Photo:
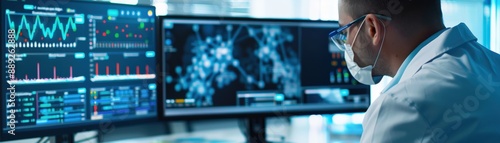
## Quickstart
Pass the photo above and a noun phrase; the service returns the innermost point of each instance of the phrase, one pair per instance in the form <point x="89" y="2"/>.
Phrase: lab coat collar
<point x="449" y="39"/>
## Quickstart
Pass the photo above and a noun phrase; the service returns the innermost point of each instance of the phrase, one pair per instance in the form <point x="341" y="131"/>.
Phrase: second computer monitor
<point x="243" y="66"/>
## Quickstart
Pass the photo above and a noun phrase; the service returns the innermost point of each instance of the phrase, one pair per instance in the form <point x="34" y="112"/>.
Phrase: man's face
<point x="362" y="47"/>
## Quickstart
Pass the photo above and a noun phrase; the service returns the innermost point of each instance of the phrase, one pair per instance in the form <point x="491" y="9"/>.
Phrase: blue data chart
<point x="47" y="68"/>
<point x="122" y="101"/>
<point x="39" y="30"/>
<point x="122" y="66"/>
<point x="74" y="62"/>
<point x="110" y="33"/>
<point x="51" y="106"/>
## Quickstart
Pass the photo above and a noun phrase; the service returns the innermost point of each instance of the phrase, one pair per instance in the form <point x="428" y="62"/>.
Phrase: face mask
<point x="362" y="74"/>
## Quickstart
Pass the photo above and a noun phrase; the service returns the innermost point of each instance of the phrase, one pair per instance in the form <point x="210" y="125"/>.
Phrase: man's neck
<point x="400" y="54"/>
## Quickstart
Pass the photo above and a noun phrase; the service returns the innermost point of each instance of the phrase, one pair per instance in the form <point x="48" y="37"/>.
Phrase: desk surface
<point x="304" y="129"/>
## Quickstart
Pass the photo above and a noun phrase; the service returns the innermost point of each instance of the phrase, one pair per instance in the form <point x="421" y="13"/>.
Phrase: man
<point x="445" y="87"/>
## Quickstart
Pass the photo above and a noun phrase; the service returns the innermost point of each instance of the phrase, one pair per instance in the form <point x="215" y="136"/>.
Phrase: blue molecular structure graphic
<point x="258" y="57"/>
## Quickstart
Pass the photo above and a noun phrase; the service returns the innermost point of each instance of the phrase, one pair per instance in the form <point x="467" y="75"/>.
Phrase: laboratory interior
<point x="191" y="71"/>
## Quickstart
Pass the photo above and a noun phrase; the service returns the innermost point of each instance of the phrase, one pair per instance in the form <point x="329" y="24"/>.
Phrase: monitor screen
<point x="224" y="66"/>
<point x="73" y="64"/>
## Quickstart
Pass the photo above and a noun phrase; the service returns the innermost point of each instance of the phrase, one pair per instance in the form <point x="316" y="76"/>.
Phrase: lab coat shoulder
<point x="457" y="95"/>
<point x="447" y="96"/>
<point x="394" y="119"/>
<point x="439" y="103"/>
<point x="410" y="110"/>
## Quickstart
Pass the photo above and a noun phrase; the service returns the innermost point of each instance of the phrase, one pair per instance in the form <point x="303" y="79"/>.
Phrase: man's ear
<point x="376" y="29"/>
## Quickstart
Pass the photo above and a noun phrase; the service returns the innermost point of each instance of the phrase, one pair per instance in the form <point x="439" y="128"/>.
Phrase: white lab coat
<point x="449" y="92"/>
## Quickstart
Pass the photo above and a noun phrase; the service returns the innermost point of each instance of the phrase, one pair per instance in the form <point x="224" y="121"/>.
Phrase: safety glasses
<point x="339" y="36"/>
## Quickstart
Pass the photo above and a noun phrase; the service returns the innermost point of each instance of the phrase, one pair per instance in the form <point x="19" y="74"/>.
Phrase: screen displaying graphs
<point x="76" y="62"/>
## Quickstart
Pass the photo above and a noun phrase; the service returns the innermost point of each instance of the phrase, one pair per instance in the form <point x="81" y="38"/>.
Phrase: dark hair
<point x="399" y="10"/>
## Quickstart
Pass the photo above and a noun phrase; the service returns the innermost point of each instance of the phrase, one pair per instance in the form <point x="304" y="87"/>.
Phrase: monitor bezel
<point x="270" y="113"/>
<point x="103" y="126"/>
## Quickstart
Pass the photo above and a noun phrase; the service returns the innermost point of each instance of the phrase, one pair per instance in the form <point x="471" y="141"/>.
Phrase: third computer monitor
<point x="216" y="66"/>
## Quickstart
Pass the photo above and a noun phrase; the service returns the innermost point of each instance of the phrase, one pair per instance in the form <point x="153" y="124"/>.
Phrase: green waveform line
<point x="47" y="31"/>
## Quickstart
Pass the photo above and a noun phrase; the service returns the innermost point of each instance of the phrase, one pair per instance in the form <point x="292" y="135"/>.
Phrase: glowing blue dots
<point x="236" y="63"/>
<point x="196" y="28"/>
<point x="274" y="31"/>
<point x="208" y="69"/>
<point x="169" y="79"/>
<point x="218" y="38"/>
<point x="216" y="67"/>
<point x="202" y="74"/>
<point x="251" y="32"/>
<point x="178" y="87"/>
<point x="178" y="69"/>
<point x="207" y="63"/>
<point x="182" y="81"/>
<point x="223" y="66"/>
<point x="203" y="47"/>
<point x="274" y="43"/>
<point x="261" y="84"/>
<point x="201" y="90"/>
<point x="269" y="39"/>
<point x="265" y="30"/>
<point x="194" y="60"/>
<point x="168" y="42"/>
<point x="218" y="56"/>
<point x="265" y="50"/>
<point x="221" y="51"/>
<point x="250" y="79"/>
<point x="208" y="40"/>
<point x="259" y="54"/>
<point x="289" y="38"/>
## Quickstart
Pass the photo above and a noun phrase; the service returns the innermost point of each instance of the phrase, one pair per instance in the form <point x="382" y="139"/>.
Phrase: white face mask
<point x="362" y="74"/>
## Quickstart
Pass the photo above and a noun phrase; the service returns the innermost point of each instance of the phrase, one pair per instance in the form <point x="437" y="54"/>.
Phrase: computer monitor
<point x="70" y="66"/>
<point x="215" y="67"/>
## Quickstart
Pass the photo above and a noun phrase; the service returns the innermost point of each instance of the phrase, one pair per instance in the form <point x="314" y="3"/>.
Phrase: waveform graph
<point x="48" y="107"/>
<point x="46" y="30"/>
<point x="125" y="33"/>
<point x="116" y="101"/>
<point x="48" y="68"/>
<point x="118" y="66"/>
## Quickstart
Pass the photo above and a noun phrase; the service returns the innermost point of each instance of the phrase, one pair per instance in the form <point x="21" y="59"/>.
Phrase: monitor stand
<point x="65" y="138"/>
<point x="256" y="130"/>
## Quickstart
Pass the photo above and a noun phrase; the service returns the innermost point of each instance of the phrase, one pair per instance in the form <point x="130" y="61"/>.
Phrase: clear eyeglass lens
<point x="340" y="40"/>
